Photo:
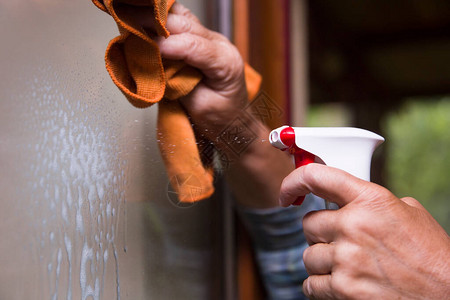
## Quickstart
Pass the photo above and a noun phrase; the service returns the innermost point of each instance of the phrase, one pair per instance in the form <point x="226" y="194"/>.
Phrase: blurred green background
<point x="418" y="154"/>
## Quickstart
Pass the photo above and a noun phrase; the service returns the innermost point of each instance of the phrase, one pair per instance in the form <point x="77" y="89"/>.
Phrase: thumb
<point x="329" y="183"/>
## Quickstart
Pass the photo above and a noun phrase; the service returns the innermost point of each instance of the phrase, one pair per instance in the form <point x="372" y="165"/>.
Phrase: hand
<point x="376" y="246"/>
<point x="222" y="94"/>
<point x="218" y="100"/>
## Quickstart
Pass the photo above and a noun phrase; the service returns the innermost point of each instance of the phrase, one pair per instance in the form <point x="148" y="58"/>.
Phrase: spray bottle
<point x="347" y="148"/>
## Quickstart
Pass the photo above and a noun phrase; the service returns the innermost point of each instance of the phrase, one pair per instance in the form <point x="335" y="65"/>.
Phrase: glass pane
<point x="84" y="210"/>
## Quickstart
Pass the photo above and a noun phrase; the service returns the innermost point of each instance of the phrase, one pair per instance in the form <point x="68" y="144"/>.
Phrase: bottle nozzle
<point x="282" y="137"/>
<point x="346" y="148"/>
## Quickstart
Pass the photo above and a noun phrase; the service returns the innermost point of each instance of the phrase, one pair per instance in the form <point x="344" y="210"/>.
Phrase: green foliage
<point x="418" y="155"/>
<point x="330" y="114"/>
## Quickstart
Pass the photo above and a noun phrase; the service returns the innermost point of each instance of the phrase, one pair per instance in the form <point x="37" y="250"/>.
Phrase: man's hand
<point x="218" y="100"/>
<point x="222" y="95"/>
<point x="376" y="246"/>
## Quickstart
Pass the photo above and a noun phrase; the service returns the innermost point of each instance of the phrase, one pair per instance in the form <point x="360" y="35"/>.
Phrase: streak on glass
<point x="84" y="209"/>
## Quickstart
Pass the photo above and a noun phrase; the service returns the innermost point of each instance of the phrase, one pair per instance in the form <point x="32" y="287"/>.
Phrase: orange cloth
<point x="135" y="65"/>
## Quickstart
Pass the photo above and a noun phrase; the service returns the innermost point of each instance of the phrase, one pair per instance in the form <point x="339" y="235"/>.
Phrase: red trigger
<point x="301" y="157"/>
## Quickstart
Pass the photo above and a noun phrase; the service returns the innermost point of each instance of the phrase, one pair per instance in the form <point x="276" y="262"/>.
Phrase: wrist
<point x="255" y="170"/>
<point x="243" y="136"/>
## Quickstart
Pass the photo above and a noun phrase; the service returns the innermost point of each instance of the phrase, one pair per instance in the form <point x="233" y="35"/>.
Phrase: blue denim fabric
<point x="278" y="239"/>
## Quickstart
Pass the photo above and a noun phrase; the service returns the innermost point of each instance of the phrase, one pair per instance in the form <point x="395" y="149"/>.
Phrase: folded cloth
<point x="135" y="65"/>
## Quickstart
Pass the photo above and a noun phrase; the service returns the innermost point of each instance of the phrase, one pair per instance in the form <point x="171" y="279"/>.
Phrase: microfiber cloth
<point x="135" y="65"/>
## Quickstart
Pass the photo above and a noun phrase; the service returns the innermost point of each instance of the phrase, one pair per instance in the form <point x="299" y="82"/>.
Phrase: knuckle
<point x="341" y="286"/>
<point x="231" y="65"/>
<point x="340" y="255"/>
<point x="351" y="221"/>
<point x="185" y="25"/>
<point x="354" y="229"/>
<point x="192" y="44"/>
<point x="348" y="256"/>
<point x="187" y="13"/>
<point x="349" y="288"/>
<point x="310" y="173"/>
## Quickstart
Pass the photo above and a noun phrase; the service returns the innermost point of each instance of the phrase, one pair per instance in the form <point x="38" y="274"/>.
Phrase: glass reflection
<point x="84" y="206"/>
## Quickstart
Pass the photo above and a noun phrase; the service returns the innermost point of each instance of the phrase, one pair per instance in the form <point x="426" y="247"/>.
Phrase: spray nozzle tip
<point x="282" y="137"/>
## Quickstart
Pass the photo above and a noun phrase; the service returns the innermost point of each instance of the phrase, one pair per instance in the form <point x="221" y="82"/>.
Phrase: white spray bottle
<point x="347" y="148"/>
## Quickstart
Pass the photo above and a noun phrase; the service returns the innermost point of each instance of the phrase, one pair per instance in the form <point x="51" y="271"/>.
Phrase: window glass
<point x="84" y="210"/>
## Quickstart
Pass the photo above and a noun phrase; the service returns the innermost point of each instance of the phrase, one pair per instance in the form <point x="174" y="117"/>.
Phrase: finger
<point x="318" y="287"/>
<point x="179" y="9"/>
<point x="326" y="182"/>
<point x="216" y="59"/>
<point x="318" y="259"/>
<point x="180" y="24"/>
<point x="198" y="103"/>
<point x="320" y="226"/>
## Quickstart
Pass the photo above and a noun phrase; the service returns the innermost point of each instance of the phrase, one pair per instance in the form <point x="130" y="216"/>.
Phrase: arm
<point x="255" y="175"/>
<point x="376" y="246"/>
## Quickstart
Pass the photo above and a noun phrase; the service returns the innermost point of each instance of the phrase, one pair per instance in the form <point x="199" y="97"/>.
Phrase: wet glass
<point x="85" y="210"/>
